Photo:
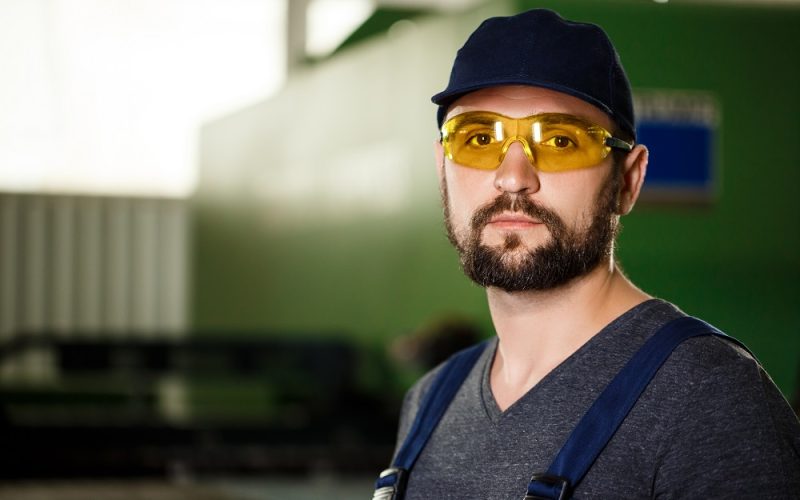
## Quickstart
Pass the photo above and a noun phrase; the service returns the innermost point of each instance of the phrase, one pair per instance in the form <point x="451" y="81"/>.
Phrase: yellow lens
<point x="554" y="142"/>
<point x="564" y="142"/>
<point x="474" y="140"/>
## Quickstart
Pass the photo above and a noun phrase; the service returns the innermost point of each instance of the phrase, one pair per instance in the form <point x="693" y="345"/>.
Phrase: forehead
<point x="518" y="101"/>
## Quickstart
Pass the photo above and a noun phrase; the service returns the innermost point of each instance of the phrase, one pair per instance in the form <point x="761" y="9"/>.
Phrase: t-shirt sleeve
<point x="734" y="437"/>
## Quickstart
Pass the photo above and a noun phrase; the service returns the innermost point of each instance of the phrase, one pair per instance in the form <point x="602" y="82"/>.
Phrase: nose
<point x="516" y="174"/>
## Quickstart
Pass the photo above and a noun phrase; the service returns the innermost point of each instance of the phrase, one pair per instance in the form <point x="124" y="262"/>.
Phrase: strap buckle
<point x="564" y="487"/>
<point x="390" y="484"/>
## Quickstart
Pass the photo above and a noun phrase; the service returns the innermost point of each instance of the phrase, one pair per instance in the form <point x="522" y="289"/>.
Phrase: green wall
<point x="736" y="262"/>
<point x="302" y="266"/>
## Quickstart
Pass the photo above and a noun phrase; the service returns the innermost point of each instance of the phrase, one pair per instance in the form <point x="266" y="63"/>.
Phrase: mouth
<point x="513" y="220"/>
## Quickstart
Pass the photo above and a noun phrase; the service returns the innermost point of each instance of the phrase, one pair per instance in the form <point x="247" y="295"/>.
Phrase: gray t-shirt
<point x="711" y="424"/>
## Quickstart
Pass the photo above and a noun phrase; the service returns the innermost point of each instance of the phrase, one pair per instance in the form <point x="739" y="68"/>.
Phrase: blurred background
<point x="222" y="259"/>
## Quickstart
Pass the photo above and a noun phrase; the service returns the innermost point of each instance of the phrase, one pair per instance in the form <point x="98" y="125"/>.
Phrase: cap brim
<point x="449" y="95"/>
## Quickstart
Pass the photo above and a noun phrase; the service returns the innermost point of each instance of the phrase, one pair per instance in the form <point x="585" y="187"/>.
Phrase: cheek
<point x="467" y="190"/>
<point x="573" y="195"/>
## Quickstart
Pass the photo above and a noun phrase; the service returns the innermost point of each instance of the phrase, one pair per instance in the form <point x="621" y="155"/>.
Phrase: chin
<point x="515" y="259"/>
<point x="511" y="241"/>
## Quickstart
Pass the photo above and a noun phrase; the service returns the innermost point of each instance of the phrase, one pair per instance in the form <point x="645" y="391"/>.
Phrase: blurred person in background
<point x="537" y="161"/>
<point x="435" y="342"/>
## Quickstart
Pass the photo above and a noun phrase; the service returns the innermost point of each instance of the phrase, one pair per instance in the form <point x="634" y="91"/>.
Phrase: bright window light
<point x="330" y="22"/>
<point x="107" y="96"/>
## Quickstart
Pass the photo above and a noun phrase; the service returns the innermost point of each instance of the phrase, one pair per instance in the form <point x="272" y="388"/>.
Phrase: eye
<point x="559" y="142"/>
<point x="480" y="139"/>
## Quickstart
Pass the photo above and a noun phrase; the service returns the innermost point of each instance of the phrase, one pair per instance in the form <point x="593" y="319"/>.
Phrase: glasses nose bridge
<point x="526" y="147"/>
<point x="517" y="130"/>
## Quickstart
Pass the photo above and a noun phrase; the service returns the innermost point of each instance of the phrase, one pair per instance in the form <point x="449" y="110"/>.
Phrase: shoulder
<point x="698" y="359"/>
<point x="710" y="365"/>
<point x="721" y="413"/>
<point x="716" y="376"/>
<point x="415" y="395"/>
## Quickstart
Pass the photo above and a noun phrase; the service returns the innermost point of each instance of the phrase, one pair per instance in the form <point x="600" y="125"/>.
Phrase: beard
<point x="567" y="255"/>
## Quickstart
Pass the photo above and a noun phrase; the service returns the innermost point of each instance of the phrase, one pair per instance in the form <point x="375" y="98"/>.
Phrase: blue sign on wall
<point x="680" y="130"/>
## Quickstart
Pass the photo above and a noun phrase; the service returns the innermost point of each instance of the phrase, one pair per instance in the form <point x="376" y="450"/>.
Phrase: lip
<point x="513" y="220"/>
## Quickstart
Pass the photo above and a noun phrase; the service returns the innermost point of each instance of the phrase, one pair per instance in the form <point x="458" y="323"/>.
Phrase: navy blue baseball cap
<point x="540" y="48"/>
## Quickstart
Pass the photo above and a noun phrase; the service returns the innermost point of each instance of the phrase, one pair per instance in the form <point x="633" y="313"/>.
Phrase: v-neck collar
<point x="493" y="411"/>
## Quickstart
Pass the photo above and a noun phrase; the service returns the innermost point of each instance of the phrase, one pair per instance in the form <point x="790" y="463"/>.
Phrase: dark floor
<point x="278" y="488"/>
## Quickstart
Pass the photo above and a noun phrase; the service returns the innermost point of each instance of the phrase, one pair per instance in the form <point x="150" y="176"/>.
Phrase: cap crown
<point x="540" y="48"/>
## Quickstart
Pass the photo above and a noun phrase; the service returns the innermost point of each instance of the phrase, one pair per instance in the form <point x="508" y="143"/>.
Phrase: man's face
<point x="517" y="228"/>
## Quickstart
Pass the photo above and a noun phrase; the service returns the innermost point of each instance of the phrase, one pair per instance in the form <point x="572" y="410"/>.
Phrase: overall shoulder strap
<point x="391" y="483"/>
<point x="601" y="421"/>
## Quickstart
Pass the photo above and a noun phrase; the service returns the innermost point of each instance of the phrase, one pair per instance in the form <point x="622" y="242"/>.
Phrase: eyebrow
<point x="579" y="118"/>
<point x="484" y="122"/>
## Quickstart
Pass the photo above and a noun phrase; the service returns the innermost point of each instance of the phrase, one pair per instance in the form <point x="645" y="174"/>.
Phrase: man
<point x="537" y="162"/>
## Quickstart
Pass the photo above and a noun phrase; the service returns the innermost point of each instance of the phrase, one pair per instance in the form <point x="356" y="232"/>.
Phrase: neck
<point x="538" y="330"/>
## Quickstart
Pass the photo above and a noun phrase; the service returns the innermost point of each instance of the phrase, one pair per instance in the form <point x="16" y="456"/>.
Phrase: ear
<point x="438" y="156"/>
<point x="633" y="174"/>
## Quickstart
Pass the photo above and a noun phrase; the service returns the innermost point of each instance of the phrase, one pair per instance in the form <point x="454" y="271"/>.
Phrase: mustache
<point x="508" y="202"/>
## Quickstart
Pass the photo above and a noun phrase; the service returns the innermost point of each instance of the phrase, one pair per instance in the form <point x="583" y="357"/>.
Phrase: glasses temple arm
<point x="616" y="143"/>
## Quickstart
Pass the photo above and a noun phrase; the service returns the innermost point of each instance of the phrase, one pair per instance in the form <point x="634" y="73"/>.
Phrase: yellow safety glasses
<point x="553" y="142"/>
